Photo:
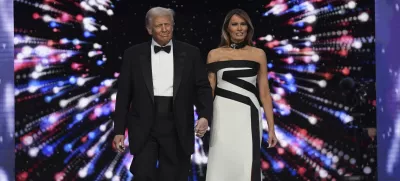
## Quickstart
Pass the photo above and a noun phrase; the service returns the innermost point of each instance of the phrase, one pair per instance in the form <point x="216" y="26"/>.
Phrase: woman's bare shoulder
<point x="215" y="54"/>
<point x="258" y="54"/>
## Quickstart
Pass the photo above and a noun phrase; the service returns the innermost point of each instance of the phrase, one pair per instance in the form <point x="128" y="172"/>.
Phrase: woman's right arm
<point x="211" y="75"/>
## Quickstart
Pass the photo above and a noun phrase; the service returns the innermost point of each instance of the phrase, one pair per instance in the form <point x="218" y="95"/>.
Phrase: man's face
<point x="161" y="29"/>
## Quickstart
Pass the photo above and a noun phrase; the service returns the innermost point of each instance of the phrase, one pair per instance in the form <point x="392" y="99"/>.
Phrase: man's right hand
<point x="118" y="143"/>
<point x="371" y="133"/>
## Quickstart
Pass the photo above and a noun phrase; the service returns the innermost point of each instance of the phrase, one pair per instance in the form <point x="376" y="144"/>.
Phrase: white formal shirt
<point x="162" y="64"/>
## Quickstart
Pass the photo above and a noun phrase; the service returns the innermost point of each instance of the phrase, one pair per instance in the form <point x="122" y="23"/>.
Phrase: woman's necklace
<point x="237" y="45"/>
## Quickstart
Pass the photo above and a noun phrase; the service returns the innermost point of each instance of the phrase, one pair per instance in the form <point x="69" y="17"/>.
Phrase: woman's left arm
<point x="265" y="96"/>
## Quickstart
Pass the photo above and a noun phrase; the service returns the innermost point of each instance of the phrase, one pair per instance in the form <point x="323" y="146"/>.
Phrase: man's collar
<point x="153" y="42"/>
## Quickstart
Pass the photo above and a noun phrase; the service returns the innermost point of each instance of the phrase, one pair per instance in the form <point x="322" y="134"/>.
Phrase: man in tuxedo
<point x="159" y="83"/>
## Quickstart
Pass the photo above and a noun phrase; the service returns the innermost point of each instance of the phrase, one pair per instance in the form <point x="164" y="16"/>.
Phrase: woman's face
<point x="237" y="28"/>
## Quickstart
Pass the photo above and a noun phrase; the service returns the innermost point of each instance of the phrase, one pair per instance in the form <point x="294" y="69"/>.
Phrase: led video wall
<point x="388" y="84"/>
<point x="6" y="91"/>
<point x="318" y="51"/>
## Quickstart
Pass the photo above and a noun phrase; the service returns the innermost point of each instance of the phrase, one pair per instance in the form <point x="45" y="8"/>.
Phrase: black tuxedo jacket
<point x="134" y="108"/>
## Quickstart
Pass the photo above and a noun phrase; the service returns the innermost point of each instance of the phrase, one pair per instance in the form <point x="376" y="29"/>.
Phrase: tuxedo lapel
<point x="179" y="57"/>
<point x="145" y="61"/>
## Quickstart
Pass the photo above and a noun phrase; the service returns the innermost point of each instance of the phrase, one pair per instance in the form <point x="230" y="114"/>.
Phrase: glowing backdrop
<point x="67" y="56"/>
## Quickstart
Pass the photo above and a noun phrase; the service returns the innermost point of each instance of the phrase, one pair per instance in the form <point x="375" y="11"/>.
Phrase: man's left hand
<point x="201" y="127"/>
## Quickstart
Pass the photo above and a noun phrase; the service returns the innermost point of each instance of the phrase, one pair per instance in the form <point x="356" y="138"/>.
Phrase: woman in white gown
<point x="238" y="76"/>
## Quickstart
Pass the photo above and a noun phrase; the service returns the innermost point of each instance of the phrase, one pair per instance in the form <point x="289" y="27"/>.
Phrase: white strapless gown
<point x="236" y="130"/>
